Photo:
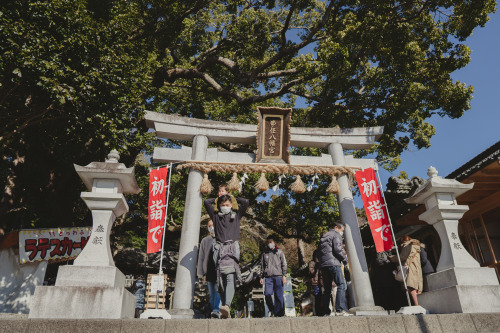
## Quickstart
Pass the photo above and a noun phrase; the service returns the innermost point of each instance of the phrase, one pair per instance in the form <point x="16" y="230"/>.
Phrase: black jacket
<point x="331" y="250"/>
<point x="227" y="227"/>
<point x="426" y="265"/>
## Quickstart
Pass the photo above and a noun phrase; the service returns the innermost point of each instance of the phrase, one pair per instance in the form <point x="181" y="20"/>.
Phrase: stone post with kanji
<point x="459" y="284"/>
<point x="93" y="287"/>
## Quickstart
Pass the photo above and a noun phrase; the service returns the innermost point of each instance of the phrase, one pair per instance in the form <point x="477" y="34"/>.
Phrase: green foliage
<point x="76" y="76"/>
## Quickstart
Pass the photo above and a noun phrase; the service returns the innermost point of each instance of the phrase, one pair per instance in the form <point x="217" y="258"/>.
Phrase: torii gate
<point x="200" y="132"/>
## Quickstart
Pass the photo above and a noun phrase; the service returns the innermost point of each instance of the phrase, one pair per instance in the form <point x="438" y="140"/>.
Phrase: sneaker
<point x="344" y="313"/>
<point x="215" y="314"/>
<point x="333" y="314"/>
<point x="224" y="312"/>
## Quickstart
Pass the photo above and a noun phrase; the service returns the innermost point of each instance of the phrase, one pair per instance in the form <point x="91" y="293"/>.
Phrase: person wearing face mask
<point x="331" y="257"/>
<point x="223" y="190"/>
<point x="206" y="269"/>
<point x="226" y="249"/>
<point x="273" y="269"/>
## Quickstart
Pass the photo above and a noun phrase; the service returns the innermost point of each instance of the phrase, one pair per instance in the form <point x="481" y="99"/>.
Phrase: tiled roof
<point x="486" y="157"/>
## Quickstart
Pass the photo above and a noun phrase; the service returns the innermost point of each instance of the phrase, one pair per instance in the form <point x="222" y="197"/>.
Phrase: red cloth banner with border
<point x="156" y="208"/>
<point x="376" y="211"/>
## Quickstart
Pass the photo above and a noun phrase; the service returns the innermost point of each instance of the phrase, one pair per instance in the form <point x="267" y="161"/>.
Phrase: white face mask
<point x="225" y="209"/>
<point x="211" y="230"/>
<point x="341" y="233"/>
<point x="271" y="246"/>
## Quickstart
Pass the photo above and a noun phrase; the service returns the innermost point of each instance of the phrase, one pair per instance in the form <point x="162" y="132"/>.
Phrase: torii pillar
<point x="202" y="131"/>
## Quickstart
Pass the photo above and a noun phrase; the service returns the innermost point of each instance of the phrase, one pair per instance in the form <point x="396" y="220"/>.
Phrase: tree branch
<point x="26" y="123"/>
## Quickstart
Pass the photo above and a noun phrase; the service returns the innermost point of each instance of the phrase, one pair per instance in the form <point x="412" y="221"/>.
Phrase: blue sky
<point x="459" y="140"/>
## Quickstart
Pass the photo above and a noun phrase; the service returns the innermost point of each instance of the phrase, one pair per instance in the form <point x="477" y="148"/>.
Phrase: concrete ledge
<point x="14" y="325"/>
<point x="489" y="322"/>
<point x="486" y="322"/>
<point x="456" y="323"/>
<point x="386" y="324"/>
<point x="421" y="323"/>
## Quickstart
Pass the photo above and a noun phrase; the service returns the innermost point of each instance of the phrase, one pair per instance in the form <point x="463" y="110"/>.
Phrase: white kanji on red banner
<point x="156" y="208"/>
<point x="375" y="210"/>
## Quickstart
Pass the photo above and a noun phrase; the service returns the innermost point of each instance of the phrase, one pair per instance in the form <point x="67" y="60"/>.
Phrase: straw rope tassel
<point x="234" y="183"/>
<point x="334" y="186"/>
<point x="262" y="184"/>
<point x="298" y="185"/>
<point x="206" y="187"/>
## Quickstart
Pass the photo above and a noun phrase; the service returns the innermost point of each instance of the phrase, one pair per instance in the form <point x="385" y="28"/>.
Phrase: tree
<point x="75" y="77"/>
<point x="72" y="87"/>
<point x="354" y="63"/>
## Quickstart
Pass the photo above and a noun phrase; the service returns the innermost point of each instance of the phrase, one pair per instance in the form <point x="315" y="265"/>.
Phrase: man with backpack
<point x="227" y="249"/>
<point x="273" y="269"/>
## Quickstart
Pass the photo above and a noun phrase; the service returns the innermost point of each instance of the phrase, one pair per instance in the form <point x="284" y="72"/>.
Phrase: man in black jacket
<point x="331" y="256"/>
<point x="273" y="268"/>
<point x="227" y="249"/>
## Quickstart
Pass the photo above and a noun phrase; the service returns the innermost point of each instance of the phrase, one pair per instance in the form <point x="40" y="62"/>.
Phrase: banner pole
<point x="393" y="238"/>
<point x="165" y="220"/>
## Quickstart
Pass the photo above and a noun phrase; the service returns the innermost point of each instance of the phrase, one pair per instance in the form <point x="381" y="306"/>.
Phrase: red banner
<point x="376" y="212"/>
<point x="156" y="208"/>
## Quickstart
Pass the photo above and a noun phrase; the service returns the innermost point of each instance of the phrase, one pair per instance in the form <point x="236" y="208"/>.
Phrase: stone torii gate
<point x="200" y="132"/>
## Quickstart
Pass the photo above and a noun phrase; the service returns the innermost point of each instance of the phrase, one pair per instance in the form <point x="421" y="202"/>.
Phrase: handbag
<point x="399" y="272"/>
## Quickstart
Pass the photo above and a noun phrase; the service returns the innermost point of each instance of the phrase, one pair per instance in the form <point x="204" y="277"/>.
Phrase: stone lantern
<point x="459" y="284"/>
<point x="93" y="287"/>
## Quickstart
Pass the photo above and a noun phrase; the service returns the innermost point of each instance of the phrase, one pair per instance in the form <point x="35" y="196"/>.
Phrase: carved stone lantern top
<point x="109" y="176"/>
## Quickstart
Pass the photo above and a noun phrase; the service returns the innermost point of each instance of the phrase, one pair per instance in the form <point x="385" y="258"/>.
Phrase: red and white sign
<point x="156" y="208"/>
<point x="52" y="244"/>
<point x="376" y="212"/>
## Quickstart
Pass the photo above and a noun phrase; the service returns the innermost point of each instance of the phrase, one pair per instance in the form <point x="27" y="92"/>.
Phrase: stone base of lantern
<point x="82" y="302"/>
<point x="462" y="290"/>
<point x="84" y="292"/>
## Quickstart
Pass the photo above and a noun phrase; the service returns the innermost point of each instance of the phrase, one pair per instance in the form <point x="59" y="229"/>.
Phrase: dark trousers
<point x="334" y="273"/>
<point x="274" y="286"/>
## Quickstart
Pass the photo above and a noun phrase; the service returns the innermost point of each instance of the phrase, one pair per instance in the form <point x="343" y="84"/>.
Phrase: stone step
<point x="488" y="322"/>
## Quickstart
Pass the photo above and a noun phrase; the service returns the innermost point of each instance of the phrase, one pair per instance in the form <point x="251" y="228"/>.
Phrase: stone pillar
<point x="459" y="284"/>
<point x="93" y="287"/>
<point x="188" y="249"/>
<point x="363" y="295"/>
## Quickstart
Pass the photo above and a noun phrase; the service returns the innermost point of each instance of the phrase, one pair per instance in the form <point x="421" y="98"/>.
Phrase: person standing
<point x="426" y="266"/>
<point x="206" y="269"/>
<point x="227" y="249"/>
<point x="273" y="269"/>
<point x="410" y="257"/>
<point x="331" y="257"/>
<point x="139" y="288"/>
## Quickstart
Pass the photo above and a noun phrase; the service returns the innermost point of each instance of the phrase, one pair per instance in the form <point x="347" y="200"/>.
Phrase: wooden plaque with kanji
<point x="273" y="134"/>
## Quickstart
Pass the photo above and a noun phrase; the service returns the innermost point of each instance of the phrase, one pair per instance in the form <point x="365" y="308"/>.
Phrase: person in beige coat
<point x="410" y="257"/>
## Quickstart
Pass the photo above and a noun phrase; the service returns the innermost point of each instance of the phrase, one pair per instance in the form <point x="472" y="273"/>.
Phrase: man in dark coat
<point x="331" y="257"/>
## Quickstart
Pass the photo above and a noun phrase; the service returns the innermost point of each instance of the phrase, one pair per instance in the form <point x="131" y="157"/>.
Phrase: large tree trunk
<point x="300" y="251"/>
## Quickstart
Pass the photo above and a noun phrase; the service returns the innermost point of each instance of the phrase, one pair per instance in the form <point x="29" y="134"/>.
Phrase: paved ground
<point x="382" y="324"/>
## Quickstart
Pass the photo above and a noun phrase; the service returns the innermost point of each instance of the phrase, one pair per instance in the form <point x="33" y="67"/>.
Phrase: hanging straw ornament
<point x="206" y="187"/>
<point x="298" y="185"/>
<point x="262" y="184"/>
<point x="334" y="186"/>
<point x="234" y="183"/>
<point x="310" y="187"/>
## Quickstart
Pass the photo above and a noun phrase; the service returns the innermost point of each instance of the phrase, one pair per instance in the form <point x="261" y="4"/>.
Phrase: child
<point x="222" y="191"/>
<point x="227" y="249"/>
